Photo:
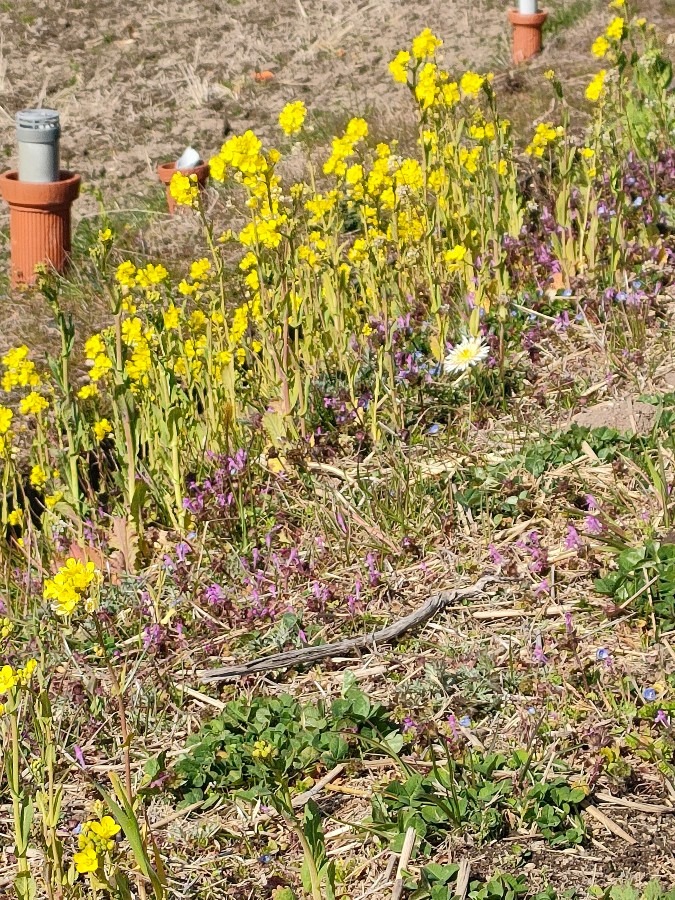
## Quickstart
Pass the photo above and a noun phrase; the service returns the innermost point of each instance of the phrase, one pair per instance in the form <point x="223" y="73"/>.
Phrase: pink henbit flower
<point x="593" y="525"/>
<point x="572" y="539"/>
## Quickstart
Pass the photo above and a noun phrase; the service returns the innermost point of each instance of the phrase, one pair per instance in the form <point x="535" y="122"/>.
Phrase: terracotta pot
<point x="39" y="222"/>
<point x="526" y="34"/>
<point x="166" y="171"/>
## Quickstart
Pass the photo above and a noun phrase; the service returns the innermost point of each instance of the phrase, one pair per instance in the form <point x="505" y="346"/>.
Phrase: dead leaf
<point x="124" y="538"/>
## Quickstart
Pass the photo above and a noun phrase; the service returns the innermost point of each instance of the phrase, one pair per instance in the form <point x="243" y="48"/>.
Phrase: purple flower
<point x="152" y="635"/>
<point x="593" y="525"/>
<point x="183" y="550"/>
<point x="542" y="588"/>
<point x="79" y="756"/>
<point x="572" y="539"/>
<point x="409" y="724"/>
<point x="662" y="718"/>
<point x="591" y="502"/>
<point x="538" y="653"/>
<point x="602" y="654"/>
<point x="214" y="594"/>
<point x="569" y="625"/>
<point x="496" y="557"/>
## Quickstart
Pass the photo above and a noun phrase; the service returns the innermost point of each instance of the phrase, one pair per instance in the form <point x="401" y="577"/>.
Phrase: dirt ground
<point x="135" y="83"/>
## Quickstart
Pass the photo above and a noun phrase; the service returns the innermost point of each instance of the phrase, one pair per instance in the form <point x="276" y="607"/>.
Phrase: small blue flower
<point x="638" y="201"/>
<point x="465" y="721"/>
<point x="567" y="292"/>
<point x="433" y="429"/>
<point x="602" y="653"/>
<point x="649" y="695"/>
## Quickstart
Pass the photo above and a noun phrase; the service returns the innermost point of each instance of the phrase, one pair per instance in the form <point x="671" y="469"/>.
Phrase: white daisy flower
<point x="469" y="352"/>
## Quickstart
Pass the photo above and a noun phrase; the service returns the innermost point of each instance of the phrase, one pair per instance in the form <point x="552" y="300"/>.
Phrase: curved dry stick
<point x="349" y="645"/>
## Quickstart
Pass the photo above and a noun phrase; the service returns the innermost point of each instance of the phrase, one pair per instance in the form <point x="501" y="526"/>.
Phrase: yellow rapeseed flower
<point x="15" y="517"/>
<point x="615" y="29"/>
<point x="471" y="83"/>
<point x="38" y="476"/>
<point x="86" y="860"/>
<point x="600" y="47"/>
<point x="292" y="117"/>
<point x="125" y="274"/>
<point x="425" y="44"/>
<point x="101" y="429"/>
<point x="87" y="391"/>
<point x="52" y="499"/>
<point x="6" y="416"/>
<point x="399" y="66"/>
<point x="184" y="189"/>
<point x="8" y="679"/>
<point x="33" y="404"/>
<point x="596" y="86"/>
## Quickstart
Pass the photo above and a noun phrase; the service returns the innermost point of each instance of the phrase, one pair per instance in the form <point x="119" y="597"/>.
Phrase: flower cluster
<point x="184" y="189"/>
<point x="95" y="840"/>
<point x="545" y="134"/>
<point x="72" y="585"/>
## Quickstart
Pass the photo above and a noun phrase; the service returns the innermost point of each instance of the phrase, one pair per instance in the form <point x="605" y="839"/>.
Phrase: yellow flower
<point x="641" y="22"/>
<point x="150" y="275"/>
<point x="399" y="66"/>
<point x="101" y="429"/>
<point x="6" y="416"/>
<point x="450" y="93"/>
<point x="15" y="517"/>
<point x="596" y="86"/>
<point x="52" y="499"/>
<point x="617" y="4"/>
<point x="184" y="189"/>
<point x="106" y="829"/>
<point x="425" y="44"/>
<point x="66" y="588"/>
<point x="549" y="74"/>
<point x="471" y="83"/>
<point x="425" y="89"/>
<point x="171" y="317"/>
<point x="262" y="750"/>
<point x="587" y="152"/>
<point x="455" y="256"/>
<point x="33" y="404"/>
<point x="126" y="274"/>
<point x="20" y="371"/>
<point x="86" y="860"/>
<point x="105" y="236"/>
<point x="600" y="46"/>
<point x="87" y="391"/>
<point x="410" y="175"/>
<point x="292" y="117"/>
<point x="38" y="476"/>
<point x="199" y="269"/>
<point x="615" y="29"/>
<point x="102" y="365"/>
<point x="356" y="130"/>
<point x="94" y="345"/>
<point x="7" y="679"/>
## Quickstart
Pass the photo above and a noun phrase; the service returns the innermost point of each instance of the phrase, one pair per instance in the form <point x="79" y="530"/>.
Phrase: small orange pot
<point x="39" y="222"/>
<point x="526" y="34"/>
<point x="166" y="171"/>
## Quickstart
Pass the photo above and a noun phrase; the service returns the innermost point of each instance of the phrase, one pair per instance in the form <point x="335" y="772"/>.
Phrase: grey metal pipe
<point x="37" y="133"/>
